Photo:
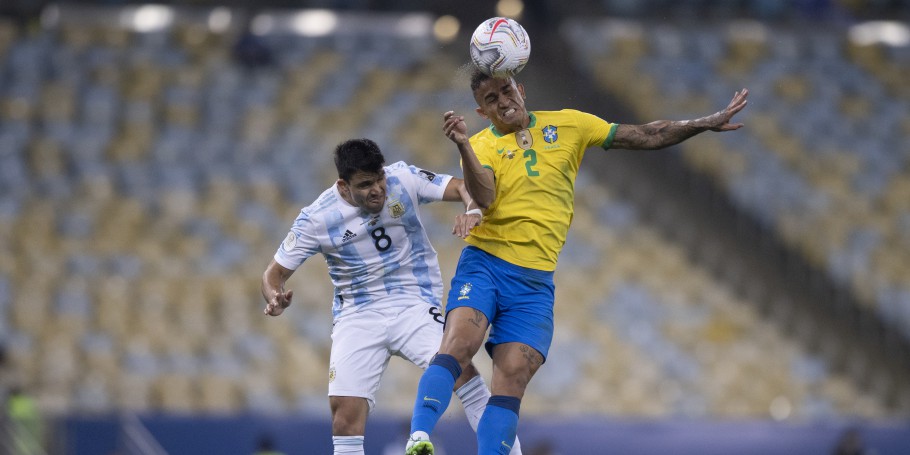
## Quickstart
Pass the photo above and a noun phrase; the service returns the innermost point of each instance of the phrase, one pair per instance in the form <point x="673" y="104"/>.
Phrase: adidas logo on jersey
<point x="348" y="236"/>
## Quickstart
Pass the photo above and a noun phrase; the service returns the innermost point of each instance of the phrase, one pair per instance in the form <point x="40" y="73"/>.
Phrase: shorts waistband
<point x="498" y="262"/>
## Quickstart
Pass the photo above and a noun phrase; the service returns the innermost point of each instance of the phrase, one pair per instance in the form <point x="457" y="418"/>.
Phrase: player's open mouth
<point x="508" y="112"/>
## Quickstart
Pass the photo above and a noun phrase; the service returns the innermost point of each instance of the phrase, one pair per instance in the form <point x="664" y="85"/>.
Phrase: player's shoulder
<point x="571" y="118"/>
<point x="488" y="131"/>
<point x="562" y="114"/>
<point x="326" y="201"/>
<point x="401" y="168"/>
<point x="397" y="167"/>
<point x="483" y="138"/>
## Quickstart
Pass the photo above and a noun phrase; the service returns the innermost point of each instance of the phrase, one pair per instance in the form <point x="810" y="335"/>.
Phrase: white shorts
<point x="363" y="343"/>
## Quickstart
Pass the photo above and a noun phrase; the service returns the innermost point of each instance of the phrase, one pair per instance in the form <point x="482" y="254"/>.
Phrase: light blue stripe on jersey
<point x="392" y="280"/>
<point x="420" y="245"/>
<point x="357" y="294"/>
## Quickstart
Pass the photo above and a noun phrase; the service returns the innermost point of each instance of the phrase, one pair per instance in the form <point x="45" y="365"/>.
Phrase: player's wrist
<point x="477" y="212"/>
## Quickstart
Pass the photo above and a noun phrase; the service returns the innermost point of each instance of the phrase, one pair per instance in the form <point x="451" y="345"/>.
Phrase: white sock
<point x="348" y="444"/>
<point x="474" y="395"/>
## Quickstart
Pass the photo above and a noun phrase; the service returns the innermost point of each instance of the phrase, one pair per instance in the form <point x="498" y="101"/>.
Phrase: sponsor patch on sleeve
<point x="289" y="242"/>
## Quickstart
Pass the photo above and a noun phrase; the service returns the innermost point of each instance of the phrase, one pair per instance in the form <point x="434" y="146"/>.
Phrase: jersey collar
<point x="530" y="125"/>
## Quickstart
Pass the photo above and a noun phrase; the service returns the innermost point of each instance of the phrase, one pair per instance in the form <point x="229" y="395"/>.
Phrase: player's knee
<point x="349" y="415"/>
<point x="517" y="358"/>
<point x="514" y="366"/>
<point x="518" y="372"/>
<point x="347" y="424"/>
<point x="462" y="348"/>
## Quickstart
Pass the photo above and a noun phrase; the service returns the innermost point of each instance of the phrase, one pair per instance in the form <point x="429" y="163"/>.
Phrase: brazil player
<point x="521" y="171"/>
<point x="388" y="286"/>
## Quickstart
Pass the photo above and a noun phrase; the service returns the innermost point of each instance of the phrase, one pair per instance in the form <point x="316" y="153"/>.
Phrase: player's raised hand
<point x="278" y="302"/>
<point x="722" y="118"/>
<point x="454" y="127"/>
<point x="464" y="223"/>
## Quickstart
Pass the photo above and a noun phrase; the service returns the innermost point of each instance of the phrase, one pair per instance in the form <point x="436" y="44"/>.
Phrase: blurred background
<point x="745" y="292"/>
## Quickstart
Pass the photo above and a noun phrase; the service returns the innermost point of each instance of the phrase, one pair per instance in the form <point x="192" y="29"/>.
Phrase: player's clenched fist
<point x="278" y="302"/>
<point x="454" y="127"/>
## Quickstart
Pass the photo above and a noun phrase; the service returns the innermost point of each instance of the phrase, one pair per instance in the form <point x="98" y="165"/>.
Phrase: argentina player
<point x="388" y="286"/>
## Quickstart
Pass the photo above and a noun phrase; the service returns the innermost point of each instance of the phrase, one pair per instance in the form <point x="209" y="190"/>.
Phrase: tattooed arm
<point x="664" y="133"/>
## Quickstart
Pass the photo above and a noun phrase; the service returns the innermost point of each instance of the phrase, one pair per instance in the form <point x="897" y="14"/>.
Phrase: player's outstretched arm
<point x="664" y="133"/>
<point x="273" y="280"/>
<point x="478" y="180"/>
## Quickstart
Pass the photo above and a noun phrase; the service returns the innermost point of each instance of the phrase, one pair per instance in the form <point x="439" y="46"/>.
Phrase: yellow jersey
<point x="535" y="172"/>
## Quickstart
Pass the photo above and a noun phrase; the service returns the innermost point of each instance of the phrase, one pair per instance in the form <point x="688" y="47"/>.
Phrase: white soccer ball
<point x="500" y="47"/>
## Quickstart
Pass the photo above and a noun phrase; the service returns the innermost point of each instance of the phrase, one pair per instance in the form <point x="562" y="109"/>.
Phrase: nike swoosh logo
<point x="426" y="398"/>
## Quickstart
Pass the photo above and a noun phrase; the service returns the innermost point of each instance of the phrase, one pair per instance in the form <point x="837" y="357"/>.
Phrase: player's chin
<point x="513" y="117"/>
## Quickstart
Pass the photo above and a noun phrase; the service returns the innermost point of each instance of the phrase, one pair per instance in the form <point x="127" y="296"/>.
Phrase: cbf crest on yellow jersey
<point x="535" y="172"/>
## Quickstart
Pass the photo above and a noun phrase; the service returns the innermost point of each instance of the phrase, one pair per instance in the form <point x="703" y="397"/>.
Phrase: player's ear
<point x="342" y="185"/>
<point x="479" y="112"/>
<point x="521" y="89"/>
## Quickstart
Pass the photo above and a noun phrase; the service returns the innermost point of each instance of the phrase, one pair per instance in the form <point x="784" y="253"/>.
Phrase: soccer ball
<point x="500" y="47"/>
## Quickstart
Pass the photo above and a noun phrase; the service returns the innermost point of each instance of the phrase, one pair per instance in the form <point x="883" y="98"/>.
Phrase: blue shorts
<point x="517" y="301"/>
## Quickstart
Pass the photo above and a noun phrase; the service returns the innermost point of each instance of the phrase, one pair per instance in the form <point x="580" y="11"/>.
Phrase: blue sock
<point x="496" y="430"/>
<point x="434" y="392"/>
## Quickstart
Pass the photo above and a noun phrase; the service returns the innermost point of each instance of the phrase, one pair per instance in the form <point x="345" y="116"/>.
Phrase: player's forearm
<point x="466" y="198"/>
<point x="273" y="280"/>
<point x="269" y="287"/>
<point x="660" y="134"/>
<point x="457" y="191"/>
<point x="478" y="180"/>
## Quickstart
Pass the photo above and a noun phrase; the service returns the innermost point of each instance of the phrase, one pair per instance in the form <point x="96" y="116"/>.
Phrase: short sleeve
<point x="300" y="243"/>
<point x="595" y="130"/>
<point x="427" y="185"/>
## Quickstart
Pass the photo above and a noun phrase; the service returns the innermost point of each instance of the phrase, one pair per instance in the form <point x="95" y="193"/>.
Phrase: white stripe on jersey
<point x="373" y="259"/>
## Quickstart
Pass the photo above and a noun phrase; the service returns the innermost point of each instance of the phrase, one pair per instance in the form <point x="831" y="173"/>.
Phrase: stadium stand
<point x="148" y="170"/>
<point x="832" y="184"/>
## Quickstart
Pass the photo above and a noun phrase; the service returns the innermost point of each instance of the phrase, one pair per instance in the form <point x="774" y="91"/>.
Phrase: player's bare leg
<point x="514" y="364"/>
<point x="349" y="419"/>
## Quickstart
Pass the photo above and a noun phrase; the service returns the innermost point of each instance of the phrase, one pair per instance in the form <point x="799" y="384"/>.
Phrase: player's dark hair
<point x="478" y="77"/>
<point x="357" y="155"/>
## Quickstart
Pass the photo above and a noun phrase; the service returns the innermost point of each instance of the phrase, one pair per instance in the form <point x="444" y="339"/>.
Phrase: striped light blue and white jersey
<point x="374" y="259"/>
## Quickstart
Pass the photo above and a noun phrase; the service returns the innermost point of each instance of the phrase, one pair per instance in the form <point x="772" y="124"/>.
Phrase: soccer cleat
<point x="419" y="444"/>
